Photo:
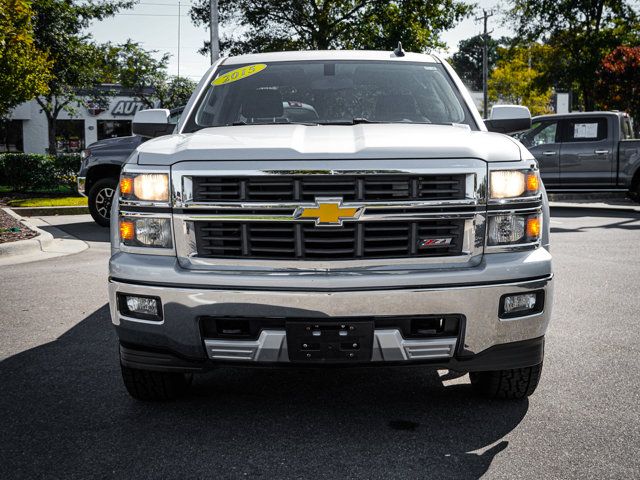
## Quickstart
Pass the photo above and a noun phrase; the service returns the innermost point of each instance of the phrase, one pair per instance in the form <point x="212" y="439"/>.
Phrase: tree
<point x="580" y="32"/>
<point x="140" y="70"/>
<point x="175" y="92"/>
<point x="514" y="80"/>
<point x="467" y="61"/>
<point x="135" y="68"/>
<point x="272" y="25"/>
<point x="24" y="69"/>
<point x="618" y="82"/>
<point x="59" y="30"/>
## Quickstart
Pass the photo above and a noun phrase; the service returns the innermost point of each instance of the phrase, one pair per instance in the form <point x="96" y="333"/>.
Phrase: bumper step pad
<point x="388" y="346"/>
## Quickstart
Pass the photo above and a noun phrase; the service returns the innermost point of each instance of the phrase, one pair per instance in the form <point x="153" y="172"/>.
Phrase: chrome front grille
<point x="305" y="240"/>
<point x="263" y="216"/>
<point x="306" y="188"/>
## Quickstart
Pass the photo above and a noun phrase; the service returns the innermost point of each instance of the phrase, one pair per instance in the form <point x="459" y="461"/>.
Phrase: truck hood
<point x="302" y="142"/>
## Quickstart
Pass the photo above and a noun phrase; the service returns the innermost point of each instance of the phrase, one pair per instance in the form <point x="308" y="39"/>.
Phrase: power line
<point x="150" y="15"/>
<point x="165" y="4"/>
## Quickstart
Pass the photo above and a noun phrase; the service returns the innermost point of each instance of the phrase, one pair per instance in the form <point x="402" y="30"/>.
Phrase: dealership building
<point x="26" y="128"/>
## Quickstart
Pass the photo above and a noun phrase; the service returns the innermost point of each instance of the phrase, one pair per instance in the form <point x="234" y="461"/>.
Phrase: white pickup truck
<point x="331" y="208"/>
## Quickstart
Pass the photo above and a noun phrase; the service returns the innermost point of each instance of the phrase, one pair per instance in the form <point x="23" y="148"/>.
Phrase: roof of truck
<point x="330" y="55"/>
<point x="579" y="114"/>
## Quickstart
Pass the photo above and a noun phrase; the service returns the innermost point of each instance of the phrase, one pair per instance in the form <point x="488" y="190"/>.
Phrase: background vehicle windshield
<point x="330" y="92"/>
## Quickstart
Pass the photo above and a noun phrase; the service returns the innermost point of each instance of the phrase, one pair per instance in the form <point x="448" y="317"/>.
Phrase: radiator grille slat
<point x="304" y="240"/>
<point x="295" y="188"/>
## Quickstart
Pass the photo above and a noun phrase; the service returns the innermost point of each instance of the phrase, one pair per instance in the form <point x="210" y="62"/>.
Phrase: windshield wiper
<point x="358" y="120"/>
<point x="353" y="121"/>
<point x="242" y="122"/>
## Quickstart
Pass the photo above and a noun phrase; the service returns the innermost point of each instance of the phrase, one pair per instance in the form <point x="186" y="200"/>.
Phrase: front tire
<point x="147" y="385"/>
<point x="507" y="384"/>
<point x="100" y="200"/>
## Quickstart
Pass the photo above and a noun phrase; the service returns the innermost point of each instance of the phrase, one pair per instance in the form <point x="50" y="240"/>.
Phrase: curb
<point x="45" y="211"/>
<point x="595" y="206"/>
<point x="31" y="245"/>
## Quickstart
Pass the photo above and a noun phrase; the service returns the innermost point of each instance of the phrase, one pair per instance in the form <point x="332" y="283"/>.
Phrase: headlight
<point x="151" y="187"/>
<point x="146" y="232"/>
<point x="514" y="183"/>
<point x="514" y="229"/>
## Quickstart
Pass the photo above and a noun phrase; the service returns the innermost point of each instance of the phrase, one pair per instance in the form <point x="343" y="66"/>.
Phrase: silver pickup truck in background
<point x="382" y="224"/>
<point x="585" y="151"/>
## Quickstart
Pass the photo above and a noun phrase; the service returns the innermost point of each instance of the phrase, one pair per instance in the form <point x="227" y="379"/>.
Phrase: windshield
<point x="339" y="92"/>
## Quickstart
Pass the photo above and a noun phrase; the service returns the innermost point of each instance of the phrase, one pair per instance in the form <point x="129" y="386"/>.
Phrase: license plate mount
<point x="330" y="342"/>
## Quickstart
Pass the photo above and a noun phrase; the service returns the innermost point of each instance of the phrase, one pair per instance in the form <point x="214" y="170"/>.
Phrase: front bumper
<point x="178" y="341"/>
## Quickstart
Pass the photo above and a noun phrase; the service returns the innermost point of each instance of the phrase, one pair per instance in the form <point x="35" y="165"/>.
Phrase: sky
<point x="155" y="25"/>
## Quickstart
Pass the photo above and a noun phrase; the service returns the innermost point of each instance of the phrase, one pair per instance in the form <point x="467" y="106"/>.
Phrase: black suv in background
<point x="100" y="170"/>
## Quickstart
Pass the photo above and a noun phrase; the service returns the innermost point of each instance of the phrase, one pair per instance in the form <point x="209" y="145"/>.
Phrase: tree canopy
<point x="515" y="79"/>
<point x="60" y="30"/>
<point x="580" y="32"/>
<point x="24" y="69"/>
<point x="618" y="82"/>
<point x="467" y="61"/>
<point x="140" y="70"/>
<point x="272" y="25"/>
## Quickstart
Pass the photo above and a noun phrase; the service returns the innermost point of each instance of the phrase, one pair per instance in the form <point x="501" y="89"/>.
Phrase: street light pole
<point x="214" y="18"/>
<point x="178" y="39"/>
<point x="485" y="62"/>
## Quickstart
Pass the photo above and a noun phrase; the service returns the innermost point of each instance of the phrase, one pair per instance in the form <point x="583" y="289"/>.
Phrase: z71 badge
<point x="434" y="242"/>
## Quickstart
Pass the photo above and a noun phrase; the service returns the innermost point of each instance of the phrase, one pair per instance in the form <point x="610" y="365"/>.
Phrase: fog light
<point x="143" y="307"/>
<point x="148" y="306"/>
<point x="521" y="304"/>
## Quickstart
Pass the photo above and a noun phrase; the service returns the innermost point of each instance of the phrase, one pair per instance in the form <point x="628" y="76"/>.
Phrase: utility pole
<point x="214" y="18"/>
<point x="485" y="60"/>
<point x="178" y="39"/>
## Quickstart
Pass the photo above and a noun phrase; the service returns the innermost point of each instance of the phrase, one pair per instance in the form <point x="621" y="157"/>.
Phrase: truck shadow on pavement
<point x="86" y="231"/>
<point x="66" y="414"/>
<point x="618" y="220"/>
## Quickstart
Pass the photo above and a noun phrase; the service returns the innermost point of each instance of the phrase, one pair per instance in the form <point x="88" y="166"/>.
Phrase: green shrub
<point x="24" y="172"/>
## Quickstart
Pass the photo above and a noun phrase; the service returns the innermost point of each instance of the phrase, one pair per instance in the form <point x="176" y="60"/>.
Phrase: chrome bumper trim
<point x="388" y="346"/>
<point x="271" y="346"/>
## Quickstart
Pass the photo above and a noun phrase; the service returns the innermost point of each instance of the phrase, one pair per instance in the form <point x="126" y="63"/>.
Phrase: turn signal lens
<point x="126" y="186"/>
<point x="534" y="228"/>
<point x="533" y="182"/>
<point x="127" y="230"/>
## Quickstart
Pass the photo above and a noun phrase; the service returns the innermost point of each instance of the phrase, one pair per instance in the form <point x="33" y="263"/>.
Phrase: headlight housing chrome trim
<point x="131" y="173"/>
<point x="514" y="185"/>
<point x="148" y="249"/>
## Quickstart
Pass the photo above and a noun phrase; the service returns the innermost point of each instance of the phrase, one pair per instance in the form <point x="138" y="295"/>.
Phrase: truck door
<point x="587" y="153"/>
<point x="542" y="140"/>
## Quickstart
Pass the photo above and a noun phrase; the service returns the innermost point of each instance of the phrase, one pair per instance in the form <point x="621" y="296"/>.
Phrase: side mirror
<point x="152" y="123"/>
<point x="508" y="119"/>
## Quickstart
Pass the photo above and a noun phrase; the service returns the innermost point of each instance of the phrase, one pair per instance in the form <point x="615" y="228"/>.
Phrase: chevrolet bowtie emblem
<point x="329" y="211"/>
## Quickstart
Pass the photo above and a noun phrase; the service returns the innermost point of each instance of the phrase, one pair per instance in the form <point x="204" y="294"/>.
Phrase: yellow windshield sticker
<point x="239" y="74"/>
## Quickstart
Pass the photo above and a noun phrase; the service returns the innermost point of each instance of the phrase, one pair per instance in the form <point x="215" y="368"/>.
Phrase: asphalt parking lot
<point x="66" y="414"/>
